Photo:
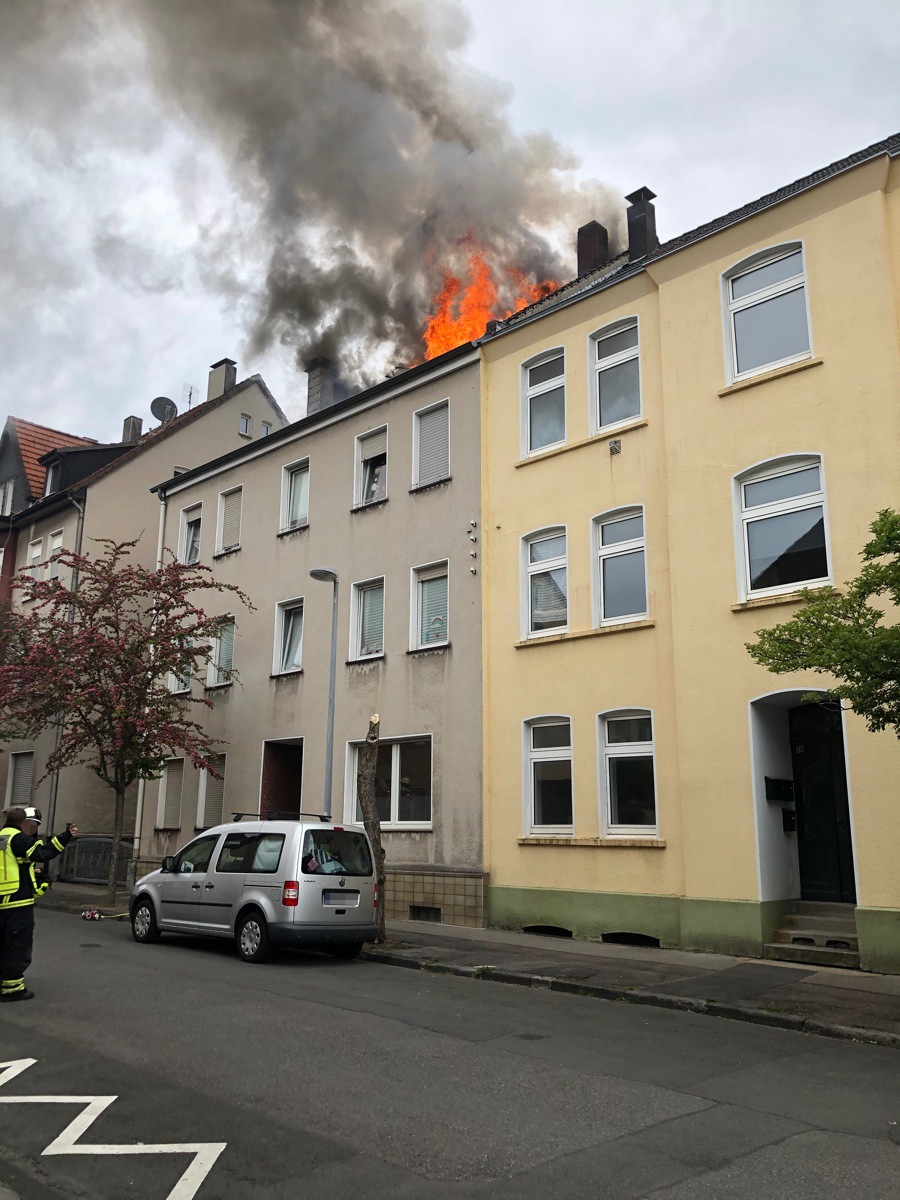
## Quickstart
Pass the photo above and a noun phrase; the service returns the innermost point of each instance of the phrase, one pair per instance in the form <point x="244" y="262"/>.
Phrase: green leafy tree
<point x="91" y="654"/>
<point x="847" y="635"/>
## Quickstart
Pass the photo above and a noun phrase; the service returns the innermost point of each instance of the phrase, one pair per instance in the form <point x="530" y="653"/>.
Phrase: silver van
<point x="265" y="883"/>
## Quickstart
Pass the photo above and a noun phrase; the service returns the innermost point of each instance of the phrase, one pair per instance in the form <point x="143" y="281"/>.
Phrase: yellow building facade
<point x="674" y="447"/>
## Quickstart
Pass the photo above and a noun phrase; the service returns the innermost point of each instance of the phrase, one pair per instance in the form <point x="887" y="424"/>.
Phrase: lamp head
<point x="324" y="574"/>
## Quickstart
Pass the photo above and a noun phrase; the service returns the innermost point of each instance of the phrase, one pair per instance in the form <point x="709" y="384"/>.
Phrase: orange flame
<point x="461" y="311"/>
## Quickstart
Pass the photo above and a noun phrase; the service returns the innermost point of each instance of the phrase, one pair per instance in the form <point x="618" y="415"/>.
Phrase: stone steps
<point x="820" y="934"/>
<point x="802" y="922"/>
<point x="830" y="939"/>
<point x="813" y="955"/>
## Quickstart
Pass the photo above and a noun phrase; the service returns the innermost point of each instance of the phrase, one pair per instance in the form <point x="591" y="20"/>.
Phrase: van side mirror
<point x="168" y="863"/>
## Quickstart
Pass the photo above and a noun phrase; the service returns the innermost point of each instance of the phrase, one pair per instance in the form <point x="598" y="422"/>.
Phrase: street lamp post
<point x="326" y="575"/>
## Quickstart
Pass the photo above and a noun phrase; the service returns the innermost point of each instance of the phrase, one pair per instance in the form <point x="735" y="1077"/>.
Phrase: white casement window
<point x="18" y="784"/>
<point x="189" y="540"/>
<point x="628" y="776"/>
<point x="211" y="793"/>
<point x="295" y="496"/>
<point x="288" y="637"/>
<point x="245" y="426"/>
<point x="367" y="619"/>
<point x="617" y="375"/>
<point x="782" y="543"/>
<point x="265" y="428"/>
<point x="220" y="665"/>
<point x="620" y="582"/>
<point x="546" y="588"/>
<point x="34" y="556"/>
<point x="431" y="445"/>
<point x="402" y="783"/>
<point x="51" y="484"/>
<point x="548" y="774"/>
<point x="429" y="606"/>
<point x="228" y="525"/>
<point x="544" y="402"/>
<point x="371" y="467"/>
<point x="54" y="545"/>
<point x="6" y="497"/>
<point x="767" y="312"/>
<point x="171" y="785"/>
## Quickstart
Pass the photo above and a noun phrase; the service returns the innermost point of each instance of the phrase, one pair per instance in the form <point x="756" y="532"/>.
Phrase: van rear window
<point x="335" y="852"/>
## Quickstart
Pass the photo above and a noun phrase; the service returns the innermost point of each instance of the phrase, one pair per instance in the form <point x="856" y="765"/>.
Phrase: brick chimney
<point x="320" y="385"/>
<point x="641" y="215"/>
<point x="593" y="247"/>
<point x="131" y="429"/>
<point x="222" y="376"/>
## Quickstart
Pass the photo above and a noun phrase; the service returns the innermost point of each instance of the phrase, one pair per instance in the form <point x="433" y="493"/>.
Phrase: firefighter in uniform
<point x="21" y="850"/>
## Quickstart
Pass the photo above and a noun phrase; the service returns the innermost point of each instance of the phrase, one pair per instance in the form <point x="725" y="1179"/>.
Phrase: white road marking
<point x="205" y="1153"/>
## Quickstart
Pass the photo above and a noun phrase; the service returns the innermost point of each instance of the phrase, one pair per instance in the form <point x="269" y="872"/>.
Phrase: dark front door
<point x="823" y="812"/>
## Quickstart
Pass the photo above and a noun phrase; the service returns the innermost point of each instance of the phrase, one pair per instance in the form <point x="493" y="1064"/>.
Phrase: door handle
<point x="195" y="887"/>
<point x="210" y="885"/>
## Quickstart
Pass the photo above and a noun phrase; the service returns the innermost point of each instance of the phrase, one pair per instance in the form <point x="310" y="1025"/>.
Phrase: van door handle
<point x="195" y="887"/>
<point x="210" y="885"/>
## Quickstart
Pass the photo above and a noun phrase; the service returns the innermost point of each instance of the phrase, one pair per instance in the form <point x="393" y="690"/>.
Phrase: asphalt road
<point x="362" y="1080"/>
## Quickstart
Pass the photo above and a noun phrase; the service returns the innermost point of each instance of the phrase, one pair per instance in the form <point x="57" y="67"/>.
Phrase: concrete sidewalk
<point x="853" y="1005"/>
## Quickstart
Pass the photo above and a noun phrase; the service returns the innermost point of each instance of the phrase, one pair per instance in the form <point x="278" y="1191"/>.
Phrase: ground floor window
<point x="402" y="782"/>
<point x="628" y="772"/>
<point x="549" y="774"/>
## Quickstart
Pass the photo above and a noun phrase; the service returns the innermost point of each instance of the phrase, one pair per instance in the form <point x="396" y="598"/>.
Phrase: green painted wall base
<point x="878" y="930"/>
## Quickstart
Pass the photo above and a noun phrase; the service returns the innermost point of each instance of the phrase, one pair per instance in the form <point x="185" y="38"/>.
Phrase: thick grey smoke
<point x="361" y="151"/>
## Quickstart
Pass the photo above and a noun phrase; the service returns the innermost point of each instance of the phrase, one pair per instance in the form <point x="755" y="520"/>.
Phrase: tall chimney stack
<point x="131" y="429"/>
<point x="320" y="385"/>
<point x="593" y="247"/>
<point x="222" y="376"/>
<point x="641" y="215"/>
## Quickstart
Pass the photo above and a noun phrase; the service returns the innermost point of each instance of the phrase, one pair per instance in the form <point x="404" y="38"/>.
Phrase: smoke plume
<point x="362" y="154"/>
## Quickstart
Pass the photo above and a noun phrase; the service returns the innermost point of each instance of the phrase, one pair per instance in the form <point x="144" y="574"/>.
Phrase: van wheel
<point x="346" y="950"/>
<point x="252" y="938"/>
<point x="143" y="923"/>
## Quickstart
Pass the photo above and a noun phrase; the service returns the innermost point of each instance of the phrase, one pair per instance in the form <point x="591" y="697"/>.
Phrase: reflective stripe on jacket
<point x="18" y="887"/>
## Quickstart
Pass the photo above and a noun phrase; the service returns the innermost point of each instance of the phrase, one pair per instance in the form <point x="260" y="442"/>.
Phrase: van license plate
<point x="341" y="899"/>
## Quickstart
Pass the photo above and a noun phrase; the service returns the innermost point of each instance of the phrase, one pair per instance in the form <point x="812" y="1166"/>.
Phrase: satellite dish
<point x="164" y="409"/>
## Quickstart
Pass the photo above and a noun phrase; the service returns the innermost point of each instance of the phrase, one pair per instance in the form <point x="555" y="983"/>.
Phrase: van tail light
<point x="376" y="897"/>
<point x="290" y="893"/>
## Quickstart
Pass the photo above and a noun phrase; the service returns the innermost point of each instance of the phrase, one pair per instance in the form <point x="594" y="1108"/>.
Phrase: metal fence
<point x="87" y="860"/>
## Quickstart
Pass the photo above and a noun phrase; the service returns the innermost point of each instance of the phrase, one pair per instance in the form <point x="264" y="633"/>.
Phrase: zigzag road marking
<point x="205" y="1153"/>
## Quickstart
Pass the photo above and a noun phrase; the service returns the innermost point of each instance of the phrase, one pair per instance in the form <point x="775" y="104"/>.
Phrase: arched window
<point x="781" y="510"/>
<point x="546" y="606"/>
<point x="615" y="355"/>
<point x="544" y="402"/>
<point x="767" y="321"/>
<point x="620" y="584"/>
<point x="628" y="776"/>
<point x="548" y="767"/>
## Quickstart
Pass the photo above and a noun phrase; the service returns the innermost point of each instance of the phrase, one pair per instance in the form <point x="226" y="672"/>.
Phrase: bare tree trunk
<point x="113" y="878"/>
<point x="365" y="790"/>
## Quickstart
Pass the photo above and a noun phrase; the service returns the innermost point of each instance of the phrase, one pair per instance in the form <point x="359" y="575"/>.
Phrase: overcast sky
<point x="105" y="196"/>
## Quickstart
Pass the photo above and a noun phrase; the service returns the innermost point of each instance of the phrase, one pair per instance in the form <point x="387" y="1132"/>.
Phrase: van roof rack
<point x="278" y="816"/>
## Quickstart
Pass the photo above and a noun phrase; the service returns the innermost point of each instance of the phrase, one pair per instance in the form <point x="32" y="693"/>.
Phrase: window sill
<point x="782" y="598"/>
<point x="361" y="662"/>
<point x="301" y="528"/>
<point x="595" y="438"/>
<point x="424" y="827"/>
<point x="218" y="687"/>
<point x="607" y="843"/>
<point x="286" y="674"/>
<point x="603" y="631"/>
<point x="167" y="829"/>
<point x="427" y="487"/>
<point x="766" y="376"/>
<point x="430" y="649"/>
<point x="226" y="553"/>
<point x="371" y="504"/>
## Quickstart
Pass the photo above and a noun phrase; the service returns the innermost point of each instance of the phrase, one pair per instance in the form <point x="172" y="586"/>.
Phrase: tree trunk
<point x="113" y="878"/>
<point x="365" y="790"/>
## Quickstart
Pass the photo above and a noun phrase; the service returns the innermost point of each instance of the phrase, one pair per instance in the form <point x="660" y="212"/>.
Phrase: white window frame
<point x="265" y="428"/>
<point x="54" y="544"/>
<point x="359" y="500"/>
<point x="528" y="568"/>
<point x="51" y="479"/>
<point x="729" y="306"/>
<point x="625" y="750"/>
<point x="356" y="609"/>
<point x="353" y="749"/>
<point x="287" y="474"/>
<point x="217" y="676"/>
<point x="7" y="488"/>
<point x="161" y="796"/>
<point x="10" y="775"/>
<point x="191" y="513"/>
<point x="773" y="468"/>
<point x="417" y="416"/>
<point x="34" y="557"/>
<point x="551" y="754"/>
<point x="281" y="611"/>
<point x="418" y="576"/>
<point x="599" y="554"/>
<point x="529" y="393"/>
<point x="245" y="425"/>
<point x="220" y="519"/>
<point x="201" y="791"/>
<point x="597" y="366"/>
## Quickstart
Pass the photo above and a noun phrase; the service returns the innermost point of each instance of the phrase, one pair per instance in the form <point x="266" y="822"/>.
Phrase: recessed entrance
<point x="281" y="788"/>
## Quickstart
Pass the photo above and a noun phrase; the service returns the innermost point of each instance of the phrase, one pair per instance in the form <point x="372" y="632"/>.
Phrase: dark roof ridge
<point x="50" y="429"/>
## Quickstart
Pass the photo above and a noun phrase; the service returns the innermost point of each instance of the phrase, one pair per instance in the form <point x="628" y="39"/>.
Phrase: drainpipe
<point x="54" y="778"/>
<point x="142" y="783"/>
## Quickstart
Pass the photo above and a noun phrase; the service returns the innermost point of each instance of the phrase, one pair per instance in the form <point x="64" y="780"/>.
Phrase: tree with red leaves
<point x="93" y="659"/>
